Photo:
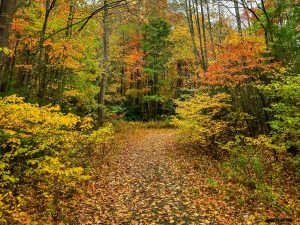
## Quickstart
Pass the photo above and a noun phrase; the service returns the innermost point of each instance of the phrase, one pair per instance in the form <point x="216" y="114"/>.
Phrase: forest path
<point x="142" y="183"/>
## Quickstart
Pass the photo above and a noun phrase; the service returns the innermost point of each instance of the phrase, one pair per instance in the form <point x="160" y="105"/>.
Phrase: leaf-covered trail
<point x="142" y="183"/>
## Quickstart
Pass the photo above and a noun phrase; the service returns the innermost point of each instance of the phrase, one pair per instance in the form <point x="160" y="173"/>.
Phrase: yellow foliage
<point x="202" y="119"/>
<point x="39" y="144"/>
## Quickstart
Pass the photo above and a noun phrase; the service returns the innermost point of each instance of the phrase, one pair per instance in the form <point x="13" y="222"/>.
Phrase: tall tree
<point x="237" y="16"/>
<point x="204" y="36"/>
<point x="7" y="9"/>
<point x="189" y="17"/>
<point x="200" y="35"/>
<point x="155" y="44"/>
<point x="210" y="29"/>
<point x="104" y="64"/>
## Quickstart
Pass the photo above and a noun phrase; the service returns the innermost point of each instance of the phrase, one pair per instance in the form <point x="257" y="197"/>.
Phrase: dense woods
<point x="76" y="76"/>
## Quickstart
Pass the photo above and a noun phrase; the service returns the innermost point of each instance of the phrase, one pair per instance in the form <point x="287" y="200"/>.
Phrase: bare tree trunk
<point x="35" y="73"/>
<point x="70" y="19"/>
<point x="103" y="83"/>
<point x="123" y="68"/>
<point x="237" y="15"/>
<point x="191" y="29"/>
<point x="7" y="9"/>
<point x="63" y="71"/>
<point x="220" y="23"/>
<point x="248" y="17"/>
<point x="269" y="24"/>
<point x="196" y="10"/>
<point x="204" y="36"/>
<point x="210" y="30"/>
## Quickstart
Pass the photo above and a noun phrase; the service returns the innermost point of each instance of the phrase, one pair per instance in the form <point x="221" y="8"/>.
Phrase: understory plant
<point x="40" y="149"/>
<point x="207" y="121"/>
<point x="284" y="93"/>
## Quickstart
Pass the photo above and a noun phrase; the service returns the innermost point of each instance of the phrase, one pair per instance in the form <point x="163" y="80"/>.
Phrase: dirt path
<point x="142" y="184"/>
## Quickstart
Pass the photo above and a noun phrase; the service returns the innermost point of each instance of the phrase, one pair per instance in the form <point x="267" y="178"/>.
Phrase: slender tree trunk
<point x="204" y="36"/>
<point x="123" y="68"/>
<point x="210" y="30"/>
<point x="36" y="74"/>
<point x="191" y="29"/>
<point x="70" y="19"/>
<point x="248" y="17"/>
<point x="63" y="72"/>
<point x="198" y="24"/>
<point x="237" y="15"/>
<point x="103" y="83"/>
<point x="7" y="8"/>
<point x="220" y="23"/>
<point x="269" y="33"/>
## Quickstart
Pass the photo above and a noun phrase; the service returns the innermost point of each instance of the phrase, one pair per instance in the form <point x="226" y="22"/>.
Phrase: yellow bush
<point x="38" y="147"/>
<point x="197" y="118"/>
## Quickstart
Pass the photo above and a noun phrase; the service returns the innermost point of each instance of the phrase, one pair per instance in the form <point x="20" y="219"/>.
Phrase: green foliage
<point x="155" y="44"/>
<point x="155" y="40"/>
<point x="245" y="163"/>
<point x="212" y="183"/>
<point x="285" y="94"/>
<point x="287" y="36"/>
<point x="39" y="147"/>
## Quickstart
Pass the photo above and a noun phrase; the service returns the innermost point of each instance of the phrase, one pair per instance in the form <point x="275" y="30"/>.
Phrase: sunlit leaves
<point x="38" y="144"/>
<point x="198" y="119"/>
<point x="238" y="61"/>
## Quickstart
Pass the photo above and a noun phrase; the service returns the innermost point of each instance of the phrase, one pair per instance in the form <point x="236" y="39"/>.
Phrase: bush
<point x="256" y="164"/>
<point x="207" y="121"/>
<point x="39" y="152"/>
<point x="285" y="94"/>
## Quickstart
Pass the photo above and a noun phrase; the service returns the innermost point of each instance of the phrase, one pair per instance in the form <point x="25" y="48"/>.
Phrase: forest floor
<point x="147" y="180"/>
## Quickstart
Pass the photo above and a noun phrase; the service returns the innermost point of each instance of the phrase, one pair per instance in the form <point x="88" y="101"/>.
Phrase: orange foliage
<point x="237" y="62"/>
<point x="134" y="59"/>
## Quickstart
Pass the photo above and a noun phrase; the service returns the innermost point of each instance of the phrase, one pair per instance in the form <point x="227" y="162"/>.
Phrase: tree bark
<point x="237" y="15"/>
<point x="200" y="35"/>
<point x="220" y="23"/>
<point x="210" y="30"/>
<point x="70" y="19"/>
<point x="39" y="73"/>
<point x="191" y="29"/>
<point x="204" y="36"/>
<point x="7" y="8"/>
<point x="104" y="64"/>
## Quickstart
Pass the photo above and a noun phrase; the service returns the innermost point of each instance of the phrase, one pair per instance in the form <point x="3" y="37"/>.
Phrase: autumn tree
<point x="7" y="9"/>
<point x="155" y="44"/>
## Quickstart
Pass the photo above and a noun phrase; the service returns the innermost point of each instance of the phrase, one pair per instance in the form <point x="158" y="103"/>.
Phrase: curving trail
<point x="142" y="183"/>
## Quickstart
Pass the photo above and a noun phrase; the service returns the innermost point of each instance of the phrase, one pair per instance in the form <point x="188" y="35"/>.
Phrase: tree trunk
<point x="210" y="30"/>
<point x="38" y="74"/>
<point x="70" y="19"/>
<point x="123" y="68"/>
<point x="204" y="36"/>
<point x="199" y="34"/>
<point x="238" y="16"/>
<point x="103" y="83"/>
<point x="7" y="9"/>
<point x="269" y="24"/>
<point x="191" y="29"/>
<point x="220" y="24"/>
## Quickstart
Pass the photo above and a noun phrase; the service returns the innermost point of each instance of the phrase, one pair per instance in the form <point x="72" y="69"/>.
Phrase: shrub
<point x="39" y="148"/>
<point x="285" y="94"/>
<point x="207" y="121"/>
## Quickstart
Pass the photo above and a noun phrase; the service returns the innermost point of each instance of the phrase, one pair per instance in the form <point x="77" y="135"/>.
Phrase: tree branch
<point x="87" y="19"/>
